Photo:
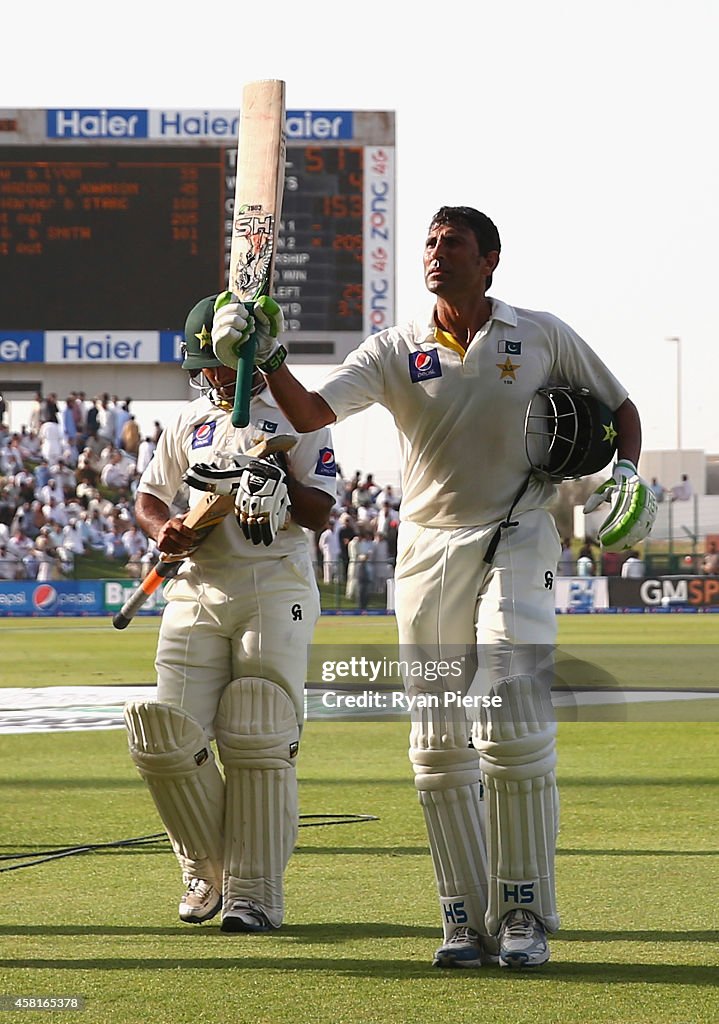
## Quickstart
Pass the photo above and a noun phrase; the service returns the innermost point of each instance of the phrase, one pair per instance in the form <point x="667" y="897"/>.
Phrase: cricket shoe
<point x="466" y="948"/>
<point x="243" y="915"/>
<point x="200" y="902"/>
<point x="522" y="940"/>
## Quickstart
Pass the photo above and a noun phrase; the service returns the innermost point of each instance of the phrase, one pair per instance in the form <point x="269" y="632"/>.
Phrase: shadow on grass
<point x="569" y="972"/>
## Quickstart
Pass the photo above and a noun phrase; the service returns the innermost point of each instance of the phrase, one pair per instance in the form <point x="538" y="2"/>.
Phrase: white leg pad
<point x="448" y="781"/>
<point x="172" y="753"/>
<point x="518" y="757"/>
<point x="258" y="738"/>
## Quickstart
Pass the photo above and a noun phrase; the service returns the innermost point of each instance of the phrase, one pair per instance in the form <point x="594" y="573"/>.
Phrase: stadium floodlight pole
<point x="679" y="391"/>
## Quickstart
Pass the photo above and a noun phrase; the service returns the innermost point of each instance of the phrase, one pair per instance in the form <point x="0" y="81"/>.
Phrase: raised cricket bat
<point x="210" y="510"/>
<point x="259" y="184"/>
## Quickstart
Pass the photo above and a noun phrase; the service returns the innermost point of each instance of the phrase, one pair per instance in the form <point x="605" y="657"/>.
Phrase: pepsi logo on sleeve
<point x="424" y="365"/>
<point x="203" y="435"/>
<point x="326" y="465"/>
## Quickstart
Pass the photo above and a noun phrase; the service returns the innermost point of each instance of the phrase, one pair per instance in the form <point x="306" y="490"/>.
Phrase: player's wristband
<point x="275" y="361"/>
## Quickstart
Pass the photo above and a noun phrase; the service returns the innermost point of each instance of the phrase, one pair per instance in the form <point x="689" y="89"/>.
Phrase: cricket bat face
<point x="259" y="184"/>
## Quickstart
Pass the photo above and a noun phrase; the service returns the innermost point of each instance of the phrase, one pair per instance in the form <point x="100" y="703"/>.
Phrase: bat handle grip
<point x="243" y="388"/>
<point x="164" y="570"/>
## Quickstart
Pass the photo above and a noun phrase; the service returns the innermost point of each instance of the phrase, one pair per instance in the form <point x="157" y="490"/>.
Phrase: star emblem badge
<point x="204" y="338"/>
<point x="609" y="432"/>
<point x="508" y="368"/>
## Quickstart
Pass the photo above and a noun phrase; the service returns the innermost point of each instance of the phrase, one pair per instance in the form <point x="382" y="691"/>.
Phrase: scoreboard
<point x="116" y="222"/>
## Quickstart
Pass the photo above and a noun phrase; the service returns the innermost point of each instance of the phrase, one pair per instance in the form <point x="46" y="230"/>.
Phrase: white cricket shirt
<point x="461" y="419"/>
<point x="203" y="433"/>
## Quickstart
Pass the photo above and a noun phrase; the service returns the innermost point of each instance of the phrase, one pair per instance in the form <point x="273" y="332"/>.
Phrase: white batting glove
<point x="633" y="508"/>
<point x="622" y="471"/>
<point x="262" y="502"/>
<point x="205" y="477"/>
<point x="232" y="326"/>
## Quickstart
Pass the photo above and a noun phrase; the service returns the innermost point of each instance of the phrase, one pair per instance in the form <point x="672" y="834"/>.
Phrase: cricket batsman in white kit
<point x="478" y="551"/>
<point x="232" y="651"/>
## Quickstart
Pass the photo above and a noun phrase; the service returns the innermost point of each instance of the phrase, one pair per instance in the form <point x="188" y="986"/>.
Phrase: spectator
<point x="49" y="409"/>
<point x="106" y="421"/>
<point x="116" y="474"/>
<point x="73" y="540"/>
<point x="122" y="415"/>
<point x="10" y="565"/>
<point x="91" y="419"/>
<point x="329" y="548"/>
<point x="50" y="441"/>
<point x="34" y="418"/>
<point x="69" y="426"/>
<point x="633" y="567"/>
<point x="359" y="570"/>
<point x="382" y="566"/>
<point x="64" y="478"/>
<point x="585" y="561"/>
<point x="683" y="490"/>
<point x="130" y="437"/>
<point x="657" y="489"/>
<point x="345" y="534"/>
<point x="135" y="544"/>
<point x="565" y="566"/>
<point x="145" y="451"/>
<point x="3" y="409"/>
<point x="710" y="562"/>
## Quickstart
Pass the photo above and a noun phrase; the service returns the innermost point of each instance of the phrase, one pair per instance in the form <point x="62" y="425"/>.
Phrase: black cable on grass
<point x="306" y="821"/>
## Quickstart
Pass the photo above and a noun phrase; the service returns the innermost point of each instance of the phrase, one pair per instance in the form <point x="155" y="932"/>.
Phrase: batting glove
<point x="204" y="477"/>
<point x="622" y="471"/>
<point x="235" y="322"/>
<point x="262" y="502"/>
<point x="232" y="325"/>
<point x="633" y="508"/>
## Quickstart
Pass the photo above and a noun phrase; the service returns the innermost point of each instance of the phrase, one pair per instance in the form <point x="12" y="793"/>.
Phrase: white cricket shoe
<point x="522" y="940"/>
<point x="200" y="902"/>
<point x="242" y="915"/>
<point x="466" y="948"/>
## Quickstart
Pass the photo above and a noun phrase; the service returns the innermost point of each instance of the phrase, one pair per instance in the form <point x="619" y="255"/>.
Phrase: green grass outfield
<point x="637" y="867"/>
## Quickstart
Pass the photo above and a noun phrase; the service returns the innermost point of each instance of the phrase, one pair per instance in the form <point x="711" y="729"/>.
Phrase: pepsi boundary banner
<point x="58" y="597"/>
<point x="71" y="597"/>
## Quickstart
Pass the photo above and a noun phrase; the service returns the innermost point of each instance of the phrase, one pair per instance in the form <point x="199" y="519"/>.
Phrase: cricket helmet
<point x="568" y="433"/>
<point x="197" y="351"/>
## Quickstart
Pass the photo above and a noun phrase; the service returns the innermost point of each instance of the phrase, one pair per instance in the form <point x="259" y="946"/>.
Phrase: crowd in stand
<point x="358" y="549"/>
<point x="67" y="488"/>
<point x="67" y="484"/>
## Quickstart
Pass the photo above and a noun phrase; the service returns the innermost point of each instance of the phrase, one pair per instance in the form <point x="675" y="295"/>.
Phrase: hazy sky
<point x="588" y="133"/>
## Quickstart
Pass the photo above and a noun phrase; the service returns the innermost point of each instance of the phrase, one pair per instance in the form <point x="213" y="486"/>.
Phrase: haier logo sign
<point x="310" y="125"/>
<point x="319" y="124"/>
<point x="96" y="124"/>
<point x="87" y="347"/>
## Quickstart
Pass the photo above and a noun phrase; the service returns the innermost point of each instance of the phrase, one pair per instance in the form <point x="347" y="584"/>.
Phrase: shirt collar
<point x="501" y="311"/>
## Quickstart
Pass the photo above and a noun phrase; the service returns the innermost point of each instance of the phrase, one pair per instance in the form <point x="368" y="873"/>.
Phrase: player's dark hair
<point x="484" y="229"/>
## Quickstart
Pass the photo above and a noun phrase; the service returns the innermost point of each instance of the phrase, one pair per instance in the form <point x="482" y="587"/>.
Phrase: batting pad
<point x="258" y="738"/>
<point x="172" y="753"/>
<point x="518" y="758"/>
<point x="448" y="781"/>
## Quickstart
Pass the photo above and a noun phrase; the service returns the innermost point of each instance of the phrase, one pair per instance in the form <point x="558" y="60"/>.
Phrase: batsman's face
<point x="222" y="379"/>
<point x="453" y="264"/>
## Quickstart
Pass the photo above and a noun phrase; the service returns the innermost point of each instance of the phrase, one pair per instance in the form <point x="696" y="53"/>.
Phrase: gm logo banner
<point x="96" y="124"/>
